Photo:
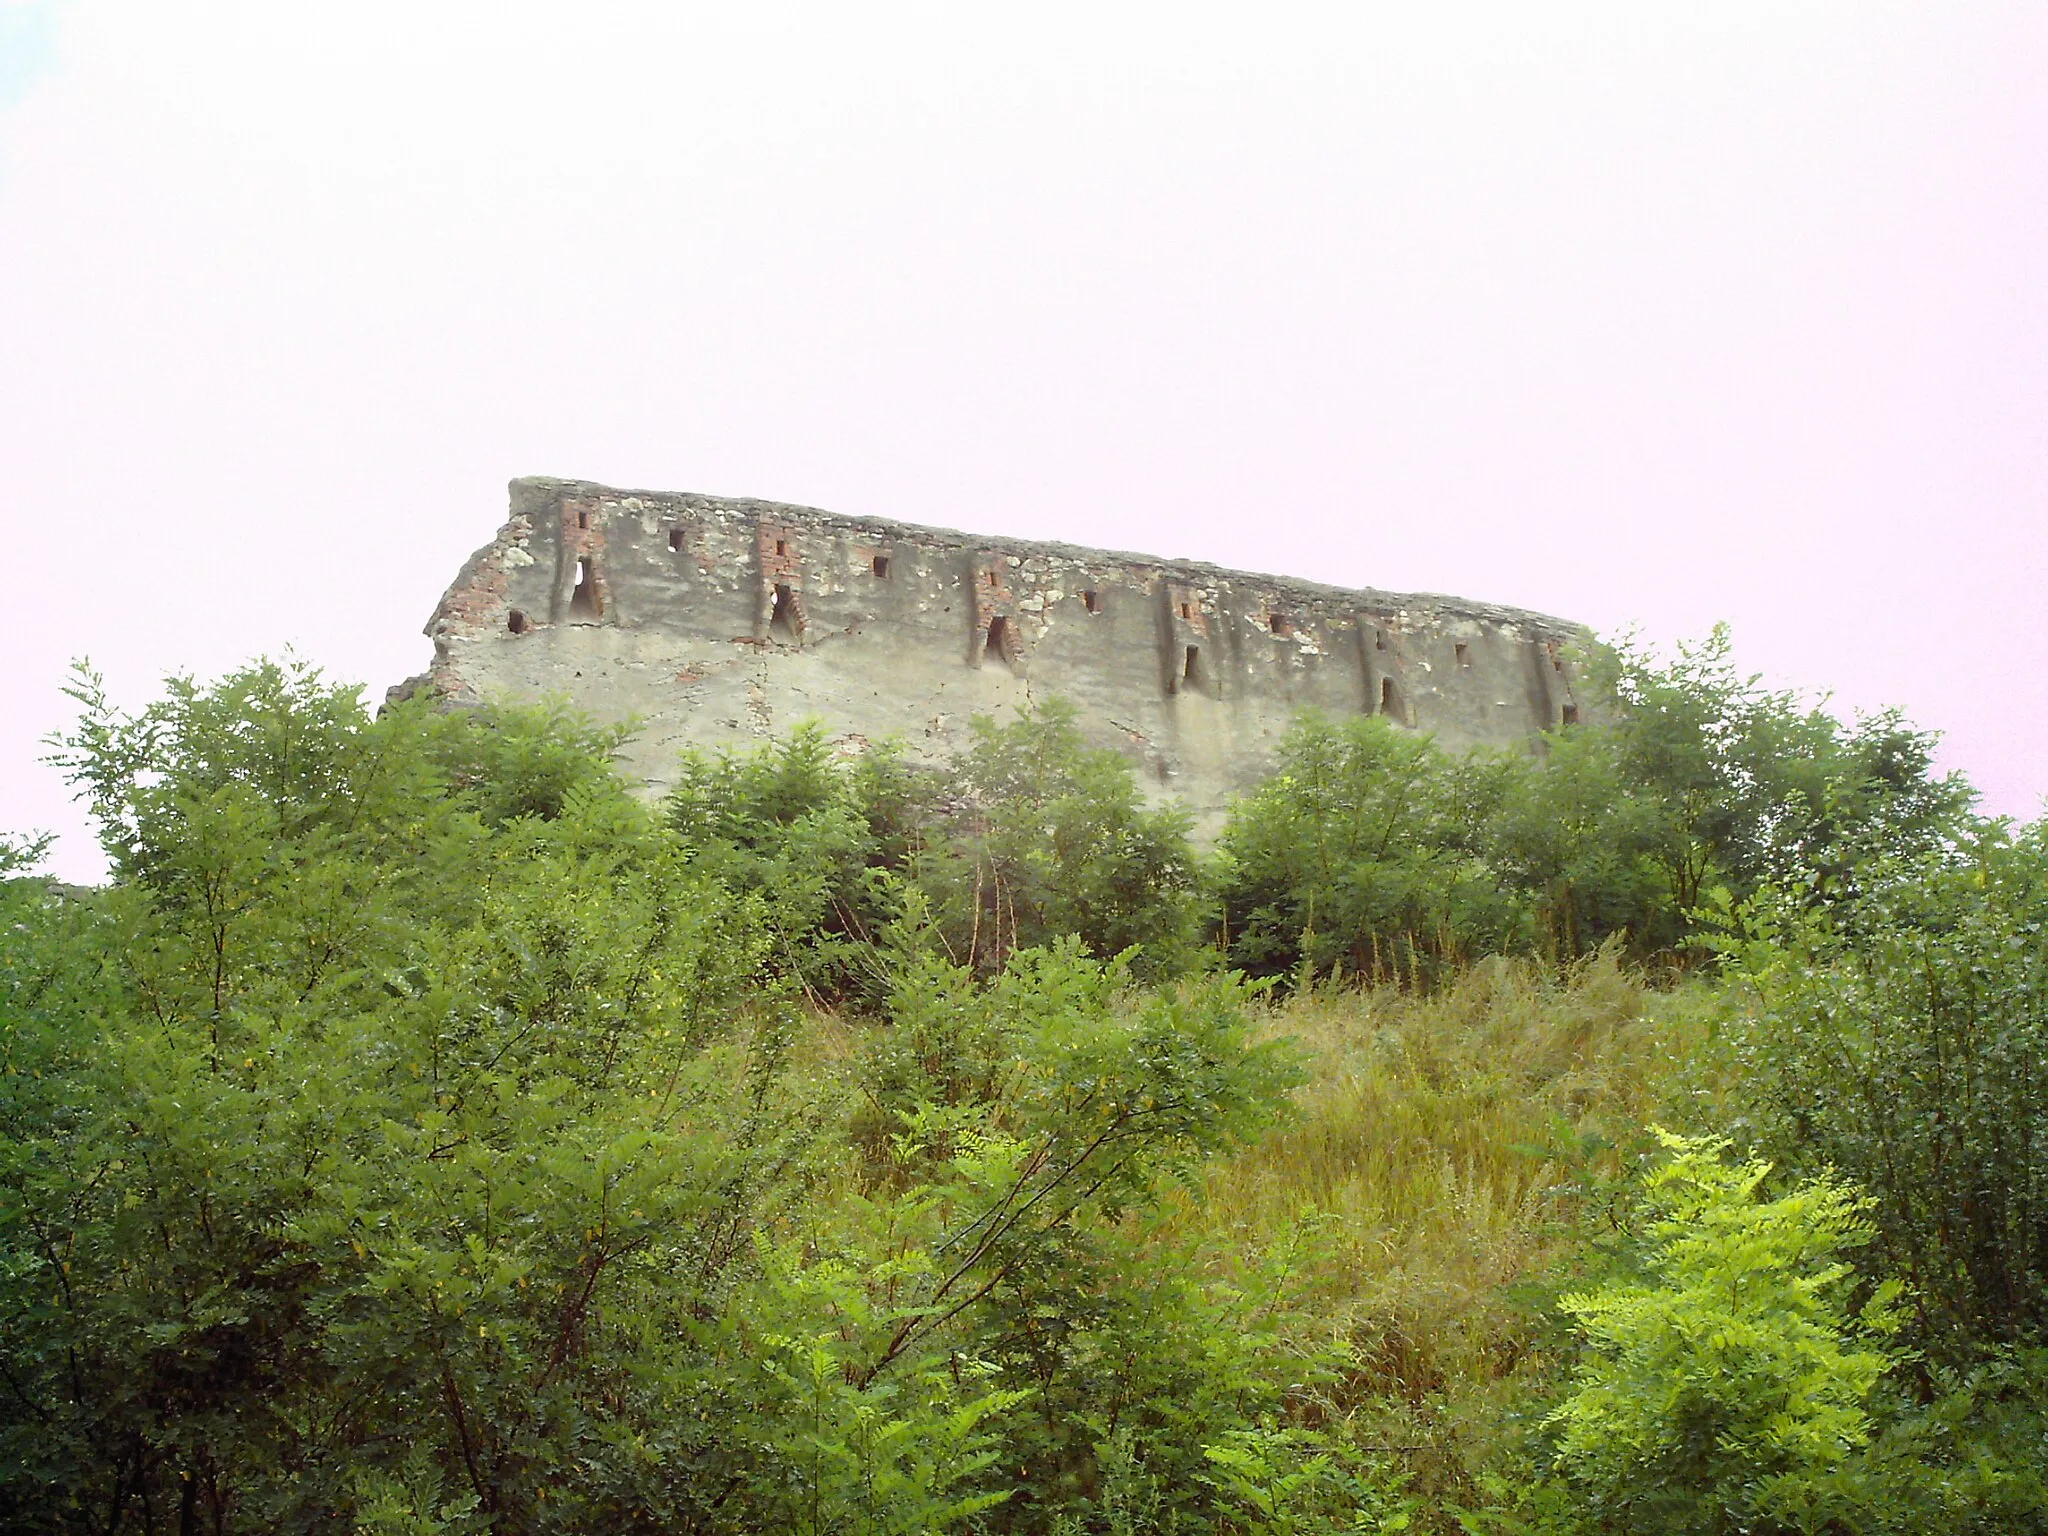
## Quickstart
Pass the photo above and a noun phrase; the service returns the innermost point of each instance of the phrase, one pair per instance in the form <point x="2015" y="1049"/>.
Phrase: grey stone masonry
<point x="721" y="622"/>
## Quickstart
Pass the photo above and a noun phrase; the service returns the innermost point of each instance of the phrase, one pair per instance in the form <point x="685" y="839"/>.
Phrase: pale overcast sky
<point x="1638" y="314"/>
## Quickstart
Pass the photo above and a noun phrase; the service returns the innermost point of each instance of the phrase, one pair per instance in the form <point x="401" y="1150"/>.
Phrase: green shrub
<point x="824" y="841"/>
<point x="1904" y="1041"/>
<point x="1048" y="837"/>
<point x="1723" y="1387"/>
<point x="1033" y="1123"/>
<point x="419" y="1134"/>
<point x="1374" y="852"/>
<point x="355" y="1146"/>
<point x="1363" y="854"/>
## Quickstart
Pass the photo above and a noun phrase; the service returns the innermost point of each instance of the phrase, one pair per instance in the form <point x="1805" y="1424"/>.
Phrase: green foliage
<point x="1298" y="1484"/>
<point x="1904" y="1041"/>
<point x="21" y="853"/>
<point x="1749" y="788"/>
<point x="1373" y="851"/>
<point x="1053" y="839"/>
<point x="1096" y="1101"/>
<point x="1031" y="1125"/>
<point x="847" y="1450"/>
<point x="1362" y="854"/>
<point x="1034" y="837"/>
<point x="824" y="841"/>
<point x="1968" y="1458"/>
<point x="1733" y="1376"/>
<point x="419" y="1134"/>
<point x="1589" y="842"/>
<point x="354" y="1142"/>
<point x="400" y="1143"/>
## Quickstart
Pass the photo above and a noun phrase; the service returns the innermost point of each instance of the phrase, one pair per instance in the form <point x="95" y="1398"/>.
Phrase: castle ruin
<point x="722" y="622"/>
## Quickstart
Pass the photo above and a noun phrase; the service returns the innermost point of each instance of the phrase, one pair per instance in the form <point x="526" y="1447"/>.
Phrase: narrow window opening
<point x="1187" y="610"/>
<point x="1379" y="639"/>
<point x="1191" y="671"/>
<point x="678" y="540"/>
<point x="517" y="621"/>
<point x="998" y="647"/>
<point x="1280" y="624"/>
<point x="1570" y="715"/>
<point x="782" y="546"/>
<point x="991" y="578"/>
<point x="582" y="519"/>
<point x="586" y="601"/>
<point x="1092" y="601"/>
<point x="1390" y="699"/>
<point x="1464" y="654"/>
<point x="784" y="623"/>
<point x="881" y="566"/>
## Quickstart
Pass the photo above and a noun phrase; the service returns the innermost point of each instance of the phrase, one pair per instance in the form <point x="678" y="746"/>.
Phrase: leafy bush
<point x="1374" y="852"/>
<point x="1033" y="837"/>
<point x="1746" y="787"/>
<point x="355" y="1143"/>
<point x="420" y="1134"/>
<point x="1725" y="1385"/>
<point x="1051" y="838"/>
<point x="1362" y="853"/>
<point x="1904" y="1041"/>
<point x="1031" y="1125"/>
<point x="823" y="840"/>
<point x="1589" y="844"/>
<point x="397" y="1147"/>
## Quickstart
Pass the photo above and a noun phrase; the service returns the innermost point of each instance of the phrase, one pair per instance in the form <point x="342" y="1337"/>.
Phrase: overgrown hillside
<point x="420" y="1134"/>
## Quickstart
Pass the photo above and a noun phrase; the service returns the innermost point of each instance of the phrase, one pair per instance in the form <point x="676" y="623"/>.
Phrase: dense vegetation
<point x="419" y="1134"/>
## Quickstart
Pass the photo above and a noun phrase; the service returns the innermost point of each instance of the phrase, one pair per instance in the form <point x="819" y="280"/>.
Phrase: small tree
<point x="1904" y="1040"/>
<point x="1730" y="1379"/>
<point x="1363" y="853"/>
<point x="822" y="838"/>
<point x="1052" y="838"/>
<point x="1736" y="784"/>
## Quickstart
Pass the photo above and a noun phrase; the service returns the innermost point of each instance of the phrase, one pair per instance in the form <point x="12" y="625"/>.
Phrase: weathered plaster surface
<point x="721" y="622"/>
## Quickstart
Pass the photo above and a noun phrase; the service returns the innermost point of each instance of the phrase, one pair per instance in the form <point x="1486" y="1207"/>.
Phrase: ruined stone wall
<point x="723" y="622"/>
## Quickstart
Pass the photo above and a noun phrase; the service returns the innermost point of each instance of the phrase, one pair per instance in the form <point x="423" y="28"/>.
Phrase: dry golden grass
<point x="1446" y="1149"/>
<point x="1449" y="1157"/>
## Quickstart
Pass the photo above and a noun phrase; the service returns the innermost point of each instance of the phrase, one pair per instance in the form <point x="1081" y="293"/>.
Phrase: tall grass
<point x="1449" y="1153"/>
<point x="1452" y="1161"/>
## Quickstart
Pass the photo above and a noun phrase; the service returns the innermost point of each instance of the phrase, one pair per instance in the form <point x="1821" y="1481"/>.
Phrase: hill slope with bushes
<point x="419" y="1133"/>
